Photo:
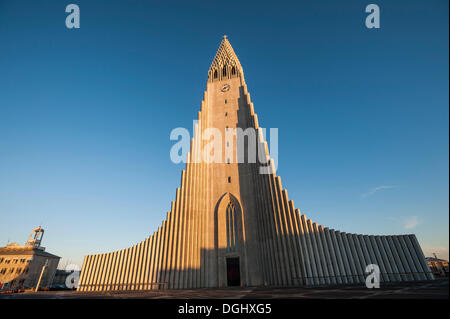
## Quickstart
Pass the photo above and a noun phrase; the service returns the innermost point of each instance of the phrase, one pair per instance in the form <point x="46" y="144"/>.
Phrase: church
<point x="232" y="225"/>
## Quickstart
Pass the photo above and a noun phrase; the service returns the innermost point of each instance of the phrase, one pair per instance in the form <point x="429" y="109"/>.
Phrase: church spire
<point x="226" y="64"/>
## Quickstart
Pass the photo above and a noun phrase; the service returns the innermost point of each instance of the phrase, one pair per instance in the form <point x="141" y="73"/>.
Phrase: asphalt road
<point x="437" y="289"/>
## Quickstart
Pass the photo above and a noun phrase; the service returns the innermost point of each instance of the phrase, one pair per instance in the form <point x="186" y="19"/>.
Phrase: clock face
<point x="225" y="88"/>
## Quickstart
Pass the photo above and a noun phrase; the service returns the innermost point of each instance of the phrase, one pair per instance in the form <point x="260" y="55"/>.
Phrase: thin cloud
<point x="376" y="189"/>
<point x="411" y="222"/>
<point x="407" y="222"/>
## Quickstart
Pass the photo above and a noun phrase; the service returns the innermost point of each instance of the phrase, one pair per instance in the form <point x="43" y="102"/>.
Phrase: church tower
<point x="232" y="223"/>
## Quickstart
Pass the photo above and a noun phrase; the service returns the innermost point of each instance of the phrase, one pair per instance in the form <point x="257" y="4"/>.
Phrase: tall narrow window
<point x="233" y="71"/>
<point x="215" y="74"/>
<point x="231" y="227"/>
<point x="224" y="71"/>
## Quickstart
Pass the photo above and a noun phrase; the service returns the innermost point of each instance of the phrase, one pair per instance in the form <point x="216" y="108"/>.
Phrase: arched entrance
<point x="230" y="242"/>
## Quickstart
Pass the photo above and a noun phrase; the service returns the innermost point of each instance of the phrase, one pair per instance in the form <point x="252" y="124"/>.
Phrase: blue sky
<point x="85" y="115"/>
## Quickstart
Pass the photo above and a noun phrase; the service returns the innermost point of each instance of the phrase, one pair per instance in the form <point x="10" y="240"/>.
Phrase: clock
<point x="225" y="88"/>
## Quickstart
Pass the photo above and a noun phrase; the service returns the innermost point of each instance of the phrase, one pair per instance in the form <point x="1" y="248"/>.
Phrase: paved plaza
<point x="437" y="289"/>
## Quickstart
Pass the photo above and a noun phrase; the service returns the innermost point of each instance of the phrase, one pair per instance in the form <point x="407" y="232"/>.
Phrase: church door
<point x="233" y="272"/>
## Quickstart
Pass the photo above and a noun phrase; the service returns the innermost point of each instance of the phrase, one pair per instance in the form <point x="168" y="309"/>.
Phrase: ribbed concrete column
<point x="156" y="260"/>
<point x="126" y="268"/>
<point x="90" y="273"/>
<point x="297" y="235"/>
<point x="421" y="256"/>
<point x="133" y="267"/>
<point x="266" y="235"/>
<point x="262" y="230"/>
<point x="334" y="268"/>
<point x="340" y="260"/>
<point x="297" y="275"/>
<point x="104" y="269"/>
<point x="95" y="266"/>
<point x="281" y="251"/>
<point x="287" y="257"/>
<point x="365" y="252"/>
<point x="161" y="261"/>
<point x="139" y="264"/>
<point x="103" y="278"/>
<point x="115" y="270"/>
<point x="107" y="271"/>
<point x="201" y="219"/>
<point x="99" y="274"/>
<point x="165" y="260"/>
<point x="371" y="252"/>
<point x="162" y="245"/>
<point x="131" y="270"/>
<point x="142" y="268"/>
<point x="118" y="269"/>
<point x="360" y="254"/>
<point x="125" y="262"/>
<point x="352" y="262"/>
<point x="397" y="261"/>
<point x="345" y="257"/>
<point x="151" y="273"/>
<point x="386" y="262"/>
<point x="380" y="262"/>
<point x="167" y="251"/>
<point x="175" y="245"/>
<point x="314" y="268"/>
<point x="179" y="276"/>
<point x="123" y="273"/>
<point x="356" y="258"/>
<point x="112" y="270"/>
<point x="404" y="261"/>
<point x="84" y="272"/>
<point x="98" y="265"/>
<point x="188" y="256"/>
<point x="416" y="258"/>
<point x="408" y="256"/>
<point x="272" y="277"/>
<point x="393" y="262"/>
<point x="279" y="272"/>
<point x="307" y="260"/>
<point x="316" y="254"/>
<point x="323" y="261"/>
<point x="419" y="275"/>
<point x="148" y="264"/>
<point x="194" y="265"/>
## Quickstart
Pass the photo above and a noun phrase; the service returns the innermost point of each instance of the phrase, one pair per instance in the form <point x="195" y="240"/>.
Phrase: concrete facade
<point x="21" y="265"/>
<point x="231" y="224"/>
